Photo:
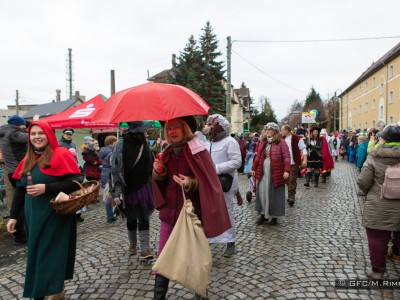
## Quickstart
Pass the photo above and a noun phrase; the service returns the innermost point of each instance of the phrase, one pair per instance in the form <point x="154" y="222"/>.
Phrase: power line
<point x="268" y="75"/>
<point x="318" y="41"/>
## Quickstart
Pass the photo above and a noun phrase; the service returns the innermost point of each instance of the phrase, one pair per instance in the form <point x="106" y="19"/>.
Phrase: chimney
<point x="77" y="94"/>
<point x="58" y="97"/>
<point x="173" y="61"/>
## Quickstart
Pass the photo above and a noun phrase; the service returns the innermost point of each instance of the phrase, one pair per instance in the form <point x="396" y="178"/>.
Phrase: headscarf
<point x="62" y="161"/>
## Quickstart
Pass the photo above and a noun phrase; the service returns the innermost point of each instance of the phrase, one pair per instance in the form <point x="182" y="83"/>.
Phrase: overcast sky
<point x="131" y="37"/>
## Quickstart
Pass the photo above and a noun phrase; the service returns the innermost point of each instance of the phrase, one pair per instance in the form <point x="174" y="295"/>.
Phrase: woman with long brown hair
<point x="46" y="170"/>
<point x="271" y="168"/>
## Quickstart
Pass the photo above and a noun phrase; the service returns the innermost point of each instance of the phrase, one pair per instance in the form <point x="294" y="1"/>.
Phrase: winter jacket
<point x="105" y="154"/>
<point x="66" y="143"/>
<point x="379" y="214"/>
<point x="13" y="144"/>
<point x="362" y="154"/>
<point x="93" y="163"/>
<point x="280" y="162"/>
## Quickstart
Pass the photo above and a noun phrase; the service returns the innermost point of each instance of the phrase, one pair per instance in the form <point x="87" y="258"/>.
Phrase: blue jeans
<point x="109" y="212"/>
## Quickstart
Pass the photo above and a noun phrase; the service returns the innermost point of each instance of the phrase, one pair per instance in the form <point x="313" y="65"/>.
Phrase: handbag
<point x="226" y="182"/>
<point x="186" y="257"/>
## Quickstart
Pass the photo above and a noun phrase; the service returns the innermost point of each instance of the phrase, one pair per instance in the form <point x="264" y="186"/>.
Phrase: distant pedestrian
<point x="362" y="151"/>
<point x="314" y="157"/>
<point x="271" y="169"/>
<point x="105" y="156"/>
<point x="297" y="149"/>
<point x="13" y="144"/>
<point x="66" y="139"/>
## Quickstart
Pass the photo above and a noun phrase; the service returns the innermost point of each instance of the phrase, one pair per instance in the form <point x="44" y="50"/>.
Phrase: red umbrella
<point x="151" y="101"/>
<point x="80" y="116"/>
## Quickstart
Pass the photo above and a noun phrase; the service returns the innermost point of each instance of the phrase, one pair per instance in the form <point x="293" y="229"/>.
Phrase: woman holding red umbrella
<point x="186" y="162"/>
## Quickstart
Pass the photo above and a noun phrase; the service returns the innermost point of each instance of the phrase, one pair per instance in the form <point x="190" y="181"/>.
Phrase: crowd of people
<point x="204" y="164"/>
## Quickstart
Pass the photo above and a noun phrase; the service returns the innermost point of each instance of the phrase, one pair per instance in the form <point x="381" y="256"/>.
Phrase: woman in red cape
<point x="51" y="237"/>
<point x="186" y="162"/>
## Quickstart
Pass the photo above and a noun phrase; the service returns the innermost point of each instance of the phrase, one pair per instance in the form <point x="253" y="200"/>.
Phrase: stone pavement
<point x="319" y="240"/>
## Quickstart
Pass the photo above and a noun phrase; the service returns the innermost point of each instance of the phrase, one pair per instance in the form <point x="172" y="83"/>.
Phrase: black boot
<point x="261" y="220"/>
<point x="323" y="178"/>
<point x="308" y="178"/>
<point x="160" y="287"/>
<point x="316" y="179"/>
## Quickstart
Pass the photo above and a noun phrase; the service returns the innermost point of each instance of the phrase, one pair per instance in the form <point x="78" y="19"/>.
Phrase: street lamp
<point x="336" y="98"/>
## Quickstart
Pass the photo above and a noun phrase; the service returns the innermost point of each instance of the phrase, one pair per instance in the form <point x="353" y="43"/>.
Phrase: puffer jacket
<point x="280" y="162"/>
<point x="13" y="144"/>
<point x="379" y="214"/>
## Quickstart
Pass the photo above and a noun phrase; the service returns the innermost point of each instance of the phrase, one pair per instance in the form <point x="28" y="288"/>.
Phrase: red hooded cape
<point x="62" y="161"/>
<point x="214" y="212"/>
<point x="327" y="159"/>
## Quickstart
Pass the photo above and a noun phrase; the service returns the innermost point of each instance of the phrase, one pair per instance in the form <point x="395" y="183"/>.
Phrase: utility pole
<point x="112" y="82"/>
<point x="17" y="102"/>
<point x="70" y="72"/>
<point x="228" y="79"/>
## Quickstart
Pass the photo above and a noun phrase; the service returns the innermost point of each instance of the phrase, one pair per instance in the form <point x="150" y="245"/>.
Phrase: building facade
<point x="373" y="100"/>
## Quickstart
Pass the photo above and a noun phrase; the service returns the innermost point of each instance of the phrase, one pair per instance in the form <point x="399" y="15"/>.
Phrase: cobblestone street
<point x="319" y="240"/>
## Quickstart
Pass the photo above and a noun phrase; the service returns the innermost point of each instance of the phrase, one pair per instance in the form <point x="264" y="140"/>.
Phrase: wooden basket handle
<point x="81" y="186"/>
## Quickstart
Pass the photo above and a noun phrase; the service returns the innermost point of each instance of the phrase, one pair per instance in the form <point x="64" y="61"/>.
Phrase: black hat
<point x="68" y="130"/>
<point x="138" y="126"/>
<point x="190" y="120"/>
<point x="391" y="133"/>
<point x="316" y="128"/>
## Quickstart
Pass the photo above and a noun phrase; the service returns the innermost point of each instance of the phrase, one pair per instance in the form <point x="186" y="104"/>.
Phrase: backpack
<point x="117" y="181"/>
<point x="391" y="185"/>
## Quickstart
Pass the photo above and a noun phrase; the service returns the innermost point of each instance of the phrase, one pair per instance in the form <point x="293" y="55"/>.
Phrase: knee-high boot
<point x="160" y="287"/>
<point x="308" y="178"/>
<point x="316" y="178"/>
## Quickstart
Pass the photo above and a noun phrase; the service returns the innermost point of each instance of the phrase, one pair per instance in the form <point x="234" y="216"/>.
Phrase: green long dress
<point x="51" y="241"/>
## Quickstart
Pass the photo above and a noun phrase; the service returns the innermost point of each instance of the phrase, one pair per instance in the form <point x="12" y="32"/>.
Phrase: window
<point x="381" y="112"/>
<point x="391" y="71"/>
<point x="390" y="119"/>
<point x="373" y="123"/>
<point x="373" y="103"/>
<point x="366" y="86"/>
<point x="366" y="125"/>
<point x="360" y="109"/>
<point x="390" y="97"/>
<point x="360" y="90"/>
<point x="381" y="89"/>
<point x="373" y="82"/>
<point x="366" y="106"/>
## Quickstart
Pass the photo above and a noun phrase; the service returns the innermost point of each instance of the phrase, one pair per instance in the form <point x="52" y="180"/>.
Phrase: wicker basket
<point x="71" y="206"/>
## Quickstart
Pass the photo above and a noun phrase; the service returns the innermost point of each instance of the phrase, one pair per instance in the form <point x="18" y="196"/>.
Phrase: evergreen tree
<point x="189" y="67"/>
<point x="211" y="87"/>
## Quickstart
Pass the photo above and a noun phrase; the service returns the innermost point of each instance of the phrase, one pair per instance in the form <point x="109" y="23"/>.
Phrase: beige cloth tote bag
<point x="186" y="257"/>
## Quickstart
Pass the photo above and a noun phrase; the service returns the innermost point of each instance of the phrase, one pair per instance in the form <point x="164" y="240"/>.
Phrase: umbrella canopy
<point x="80" y="116"/>
<point x="151" y="101"/>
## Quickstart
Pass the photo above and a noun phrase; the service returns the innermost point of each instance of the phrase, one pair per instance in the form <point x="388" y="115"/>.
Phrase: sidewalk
<point x="319" y="240"/>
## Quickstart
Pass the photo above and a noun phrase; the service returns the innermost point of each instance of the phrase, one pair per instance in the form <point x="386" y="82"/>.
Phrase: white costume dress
<point x="227" y="158"/>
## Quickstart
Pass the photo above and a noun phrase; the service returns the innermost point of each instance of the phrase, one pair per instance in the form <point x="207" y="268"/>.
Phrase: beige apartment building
<point x="373" y="100"/>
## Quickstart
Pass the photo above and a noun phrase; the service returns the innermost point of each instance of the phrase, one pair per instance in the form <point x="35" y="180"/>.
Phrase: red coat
<point x="280" y="162"/>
